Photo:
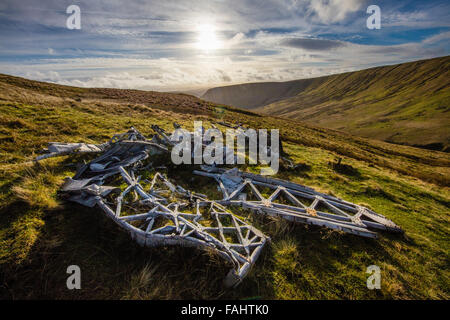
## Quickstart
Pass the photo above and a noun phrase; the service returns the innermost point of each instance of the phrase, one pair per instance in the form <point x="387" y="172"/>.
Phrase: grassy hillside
<point x="40" y="234"/>
<point x="254" y="95"/>
<point x="407" y="103"/>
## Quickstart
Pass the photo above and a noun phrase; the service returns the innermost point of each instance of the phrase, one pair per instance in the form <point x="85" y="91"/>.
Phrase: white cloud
<point x="439" y="37"/>
<point x="329" y="11"/>
<point x="166" y="74"/>
<point x="153" y="46"/>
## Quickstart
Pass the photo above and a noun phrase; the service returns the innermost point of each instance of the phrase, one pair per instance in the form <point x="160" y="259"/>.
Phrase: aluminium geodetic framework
<point x="157" y="212"/>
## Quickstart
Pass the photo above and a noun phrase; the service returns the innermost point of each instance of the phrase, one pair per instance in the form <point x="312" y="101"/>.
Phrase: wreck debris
<point x="159" y="212"/>
<point x="225" y="124"/>
<point x="157" y="222"/>
<point x="240" y="130"/>
<point x="56" y="149"/>
<point x="131" y="138"/>
<point x="303" y="205"/>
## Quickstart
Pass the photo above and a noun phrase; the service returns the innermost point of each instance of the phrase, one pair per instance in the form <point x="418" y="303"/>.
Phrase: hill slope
<point x="254" y="95"/>
<point x="407" y="103"/>
<point x="40" y="234"/>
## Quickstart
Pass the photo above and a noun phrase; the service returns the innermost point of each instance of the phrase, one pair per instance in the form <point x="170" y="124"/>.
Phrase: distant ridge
<point x="407" y="103"/>
<point x="253" y="95"/>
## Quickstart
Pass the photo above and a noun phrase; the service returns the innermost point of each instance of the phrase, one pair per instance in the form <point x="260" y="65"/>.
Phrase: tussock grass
<point x="38" y="188"/>
<point x="144" y="284"/>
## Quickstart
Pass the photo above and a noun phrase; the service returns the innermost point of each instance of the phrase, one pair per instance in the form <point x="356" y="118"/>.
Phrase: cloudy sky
<point x="177" y="45"/>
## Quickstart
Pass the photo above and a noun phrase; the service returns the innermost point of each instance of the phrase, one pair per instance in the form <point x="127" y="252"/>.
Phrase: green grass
<point x="41" y="234"/>
<point x="407" y="103"/>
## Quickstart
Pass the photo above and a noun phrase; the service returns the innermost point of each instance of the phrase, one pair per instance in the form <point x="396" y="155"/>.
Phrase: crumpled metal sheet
<point x="56" y="149"/>
<point x="70" y="147"/>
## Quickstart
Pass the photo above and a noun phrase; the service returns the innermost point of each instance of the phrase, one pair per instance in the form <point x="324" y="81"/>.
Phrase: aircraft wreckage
<point x="157" y="212"/>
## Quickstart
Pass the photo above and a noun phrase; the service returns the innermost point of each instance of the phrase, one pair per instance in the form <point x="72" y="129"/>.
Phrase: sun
<point x="207" y="39"/>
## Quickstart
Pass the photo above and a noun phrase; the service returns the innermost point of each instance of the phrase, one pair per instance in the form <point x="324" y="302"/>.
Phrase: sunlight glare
<point x="207" y="39"/>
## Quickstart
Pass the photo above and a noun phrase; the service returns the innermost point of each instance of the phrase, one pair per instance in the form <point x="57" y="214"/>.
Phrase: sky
<point x="179" y="45"/>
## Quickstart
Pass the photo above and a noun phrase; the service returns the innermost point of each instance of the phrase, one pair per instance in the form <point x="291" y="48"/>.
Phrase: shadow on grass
<point x="109" y="262"/>
<point x="346" y="170"/>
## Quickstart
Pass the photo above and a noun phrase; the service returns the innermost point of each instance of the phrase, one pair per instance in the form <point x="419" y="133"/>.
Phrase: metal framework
<point x="301" y="204"/>
<point x="158" y="212"/>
